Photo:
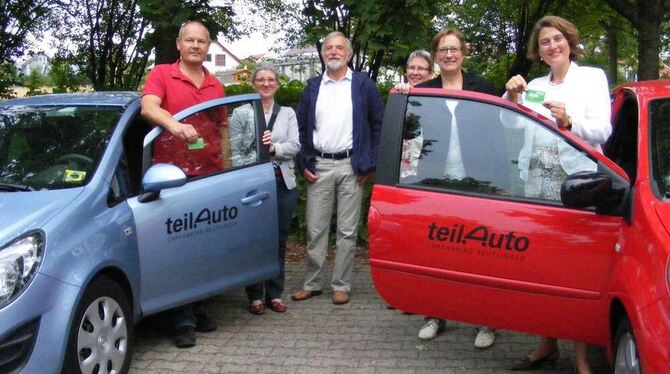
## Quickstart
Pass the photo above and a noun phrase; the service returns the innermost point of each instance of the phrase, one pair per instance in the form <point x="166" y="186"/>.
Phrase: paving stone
<point x="314" y="336"/>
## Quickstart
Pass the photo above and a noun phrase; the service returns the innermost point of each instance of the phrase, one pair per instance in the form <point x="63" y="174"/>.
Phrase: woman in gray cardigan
<point x="281" y="138"/>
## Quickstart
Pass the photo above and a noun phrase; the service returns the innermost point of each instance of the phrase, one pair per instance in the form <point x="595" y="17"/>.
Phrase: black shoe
<point x="204" y="323"/>
<point x="184" y="337"/>
<point x="525" y="364"/>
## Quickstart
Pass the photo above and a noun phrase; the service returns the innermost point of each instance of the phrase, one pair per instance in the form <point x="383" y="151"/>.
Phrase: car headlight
<point x="19" y="261"/>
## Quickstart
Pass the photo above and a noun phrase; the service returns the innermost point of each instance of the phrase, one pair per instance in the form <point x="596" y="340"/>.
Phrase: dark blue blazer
<point x="367" y="111"/>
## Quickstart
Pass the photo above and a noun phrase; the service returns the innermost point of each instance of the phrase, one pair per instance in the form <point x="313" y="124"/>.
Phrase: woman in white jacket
<point x="577" y="99"/>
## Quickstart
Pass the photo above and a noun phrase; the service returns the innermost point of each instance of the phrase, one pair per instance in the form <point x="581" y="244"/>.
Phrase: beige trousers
<point x="336" y="183"/>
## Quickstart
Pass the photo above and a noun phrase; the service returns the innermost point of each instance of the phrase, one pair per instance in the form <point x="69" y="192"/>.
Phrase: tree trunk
<point x="165" y="43"/>
<point x="529" y="16"/>
<point x="646" y="18"/>
<point x="649" y="38"/>
<point x="612" y="48"/>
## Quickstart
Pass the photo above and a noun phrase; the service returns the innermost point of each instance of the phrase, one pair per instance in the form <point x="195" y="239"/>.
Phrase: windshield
<point x="52" y="147"/>
<point x="659" y="123"/>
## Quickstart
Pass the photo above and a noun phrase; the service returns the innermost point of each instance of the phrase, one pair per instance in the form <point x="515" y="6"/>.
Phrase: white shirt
<point x="334" y="117"/>
<point x="454" y="167"/>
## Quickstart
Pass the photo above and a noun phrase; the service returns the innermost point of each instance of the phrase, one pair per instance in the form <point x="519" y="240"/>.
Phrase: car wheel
<point x="626" y="360"/>
<point x="101" y="334"/>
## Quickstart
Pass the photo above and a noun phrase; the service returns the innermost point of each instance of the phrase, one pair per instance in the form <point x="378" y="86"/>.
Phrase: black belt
<point x="335" y="156"/>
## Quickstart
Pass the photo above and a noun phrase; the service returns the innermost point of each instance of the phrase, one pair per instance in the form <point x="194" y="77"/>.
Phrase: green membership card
<point x="535" y="96"/>
<point x="199" y="144"/>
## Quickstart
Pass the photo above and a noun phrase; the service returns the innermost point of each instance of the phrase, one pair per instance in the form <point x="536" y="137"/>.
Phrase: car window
<point x="119" y="185"/>
<point x="227" y="140"/>
<point x="659" y="124"/>
<point x="474" y="147"/>
<point x="621" y="147"/>
<point x="53" y="147"/>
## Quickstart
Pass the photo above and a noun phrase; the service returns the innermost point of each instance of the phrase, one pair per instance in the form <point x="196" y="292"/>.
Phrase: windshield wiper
<point x="8" y="187"/>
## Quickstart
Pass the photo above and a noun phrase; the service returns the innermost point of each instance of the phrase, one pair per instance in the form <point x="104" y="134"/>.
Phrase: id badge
<point x="199" y="144"/>
<point x="535" y="96"/>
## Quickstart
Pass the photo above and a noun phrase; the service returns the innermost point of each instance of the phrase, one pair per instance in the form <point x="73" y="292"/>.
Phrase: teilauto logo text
<point x="206" y="220"/>
<point x="458" y="237"/>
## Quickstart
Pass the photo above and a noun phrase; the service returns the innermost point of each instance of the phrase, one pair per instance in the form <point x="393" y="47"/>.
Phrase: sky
<point x="255" y="43"/>
<point x="251" y="45"/>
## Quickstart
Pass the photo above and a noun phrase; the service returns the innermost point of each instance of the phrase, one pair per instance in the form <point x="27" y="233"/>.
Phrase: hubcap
<point x="626" y="356"/>
<point x="102" y="342"/>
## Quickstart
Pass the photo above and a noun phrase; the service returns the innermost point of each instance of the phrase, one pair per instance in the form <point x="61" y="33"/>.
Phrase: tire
<point x="626" y="359"/>
<point x="101" y="335"/>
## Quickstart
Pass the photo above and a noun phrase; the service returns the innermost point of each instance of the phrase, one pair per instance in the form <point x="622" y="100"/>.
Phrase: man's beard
<point x="335" y="64"/>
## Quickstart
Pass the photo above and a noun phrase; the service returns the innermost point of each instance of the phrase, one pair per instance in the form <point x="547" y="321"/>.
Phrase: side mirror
<point x="590" y="189"/>
<point x="159" y="177"/>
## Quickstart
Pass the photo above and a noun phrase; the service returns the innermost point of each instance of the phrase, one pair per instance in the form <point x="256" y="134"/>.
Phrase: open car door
<point x="475" y="247"/>
<point x="214" y="231"/>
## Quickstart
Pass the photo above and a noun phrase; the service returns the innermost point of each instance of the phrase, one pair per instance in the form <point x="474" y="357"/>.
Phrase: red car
<point x="468" y="245"/>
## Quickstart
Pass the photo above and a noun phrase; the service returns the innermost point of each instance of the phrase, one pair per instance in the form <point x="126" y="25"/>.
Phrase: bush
<point x="64" y="77"/>
<point x="34" y="83"/>
<point x="287" y="95"/>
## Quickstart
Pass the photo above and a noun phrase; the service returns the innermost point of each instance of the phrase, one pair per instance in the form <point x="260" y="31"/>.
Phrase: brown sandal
<point x="277" y="306"/>
<point x="257" y="309"/>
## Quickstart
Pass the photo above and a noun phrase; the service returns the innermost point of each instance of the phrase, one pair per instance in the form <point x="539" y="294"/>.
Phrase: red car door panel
<point x="476" y="247"/>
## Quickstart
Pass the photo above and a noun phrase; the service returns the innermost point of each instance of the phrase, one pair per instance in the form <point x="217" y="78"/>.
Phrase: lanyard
<point x="273" y="118"/>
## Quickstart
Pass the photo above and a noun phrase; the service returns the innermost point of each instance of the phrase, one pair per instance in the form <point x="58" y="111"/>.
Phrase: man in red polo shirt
<point x="169" y="89"/>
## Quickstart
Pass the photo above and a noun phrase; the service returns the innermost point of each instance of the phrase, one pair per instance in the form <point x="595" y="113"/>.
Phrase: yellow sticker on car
<point x="74" y="176"/>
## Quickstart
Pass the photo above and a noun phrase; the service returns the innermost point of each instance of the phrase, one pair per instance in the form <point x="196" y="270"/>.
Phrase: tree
<point x="108" y="39"/>
<point x="34" y="83"/>
<point x="495" y="28"/>
<point x="382" y="32"/>
<point x="497" y="32"/>
<point x="606" y="37"/>
<point x="8" y="78"/>
<point x="19" y="17"/>
<point x="647" y="17"/>
<point x="167" y="16"/>
<point x="63" y="76"/>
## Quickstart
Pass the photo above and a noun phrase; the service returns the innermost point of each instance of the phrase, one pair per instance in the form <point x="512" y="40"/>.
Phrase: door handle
<point x="256" y="197"/>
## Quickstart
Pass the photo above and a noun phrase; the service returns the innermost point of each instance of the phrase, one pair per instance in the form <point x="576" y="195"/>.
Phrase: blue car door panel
<point x="219" y="229"/>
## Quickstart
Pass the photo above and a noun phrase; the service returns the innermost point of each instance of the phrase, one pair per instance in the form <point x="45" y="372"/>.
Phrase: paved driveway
<point x="315" y="336"/>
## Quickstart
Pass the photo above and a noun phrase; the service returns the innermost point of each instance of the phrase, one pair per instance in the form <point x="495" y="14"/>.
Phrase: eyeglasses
<point x="446" y="50"/>
<point x="417" y="68"/>
<point x="265" y="80"/>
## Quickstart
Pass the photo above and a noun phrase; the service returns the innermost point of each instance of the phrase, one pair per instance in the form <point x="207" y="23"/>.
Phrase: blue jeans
<point x="274" y="287"/>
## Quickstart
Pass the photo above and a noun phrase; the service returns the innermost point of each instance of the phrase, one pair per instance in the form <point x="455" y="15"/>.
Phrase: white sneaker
<point x="430" y="329"/>
<point x="485" y="338"/>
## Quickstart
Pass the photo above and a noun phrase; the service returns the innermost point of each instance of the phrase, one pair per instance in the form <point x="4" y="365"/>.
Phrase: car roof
<point x="648" y="89"/>
<point x="114" y="98"/>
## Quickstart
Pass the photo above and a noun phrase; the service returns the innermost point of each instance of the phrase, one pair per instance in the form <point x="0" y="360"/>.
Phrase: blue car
<point x="95" y="235"/>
